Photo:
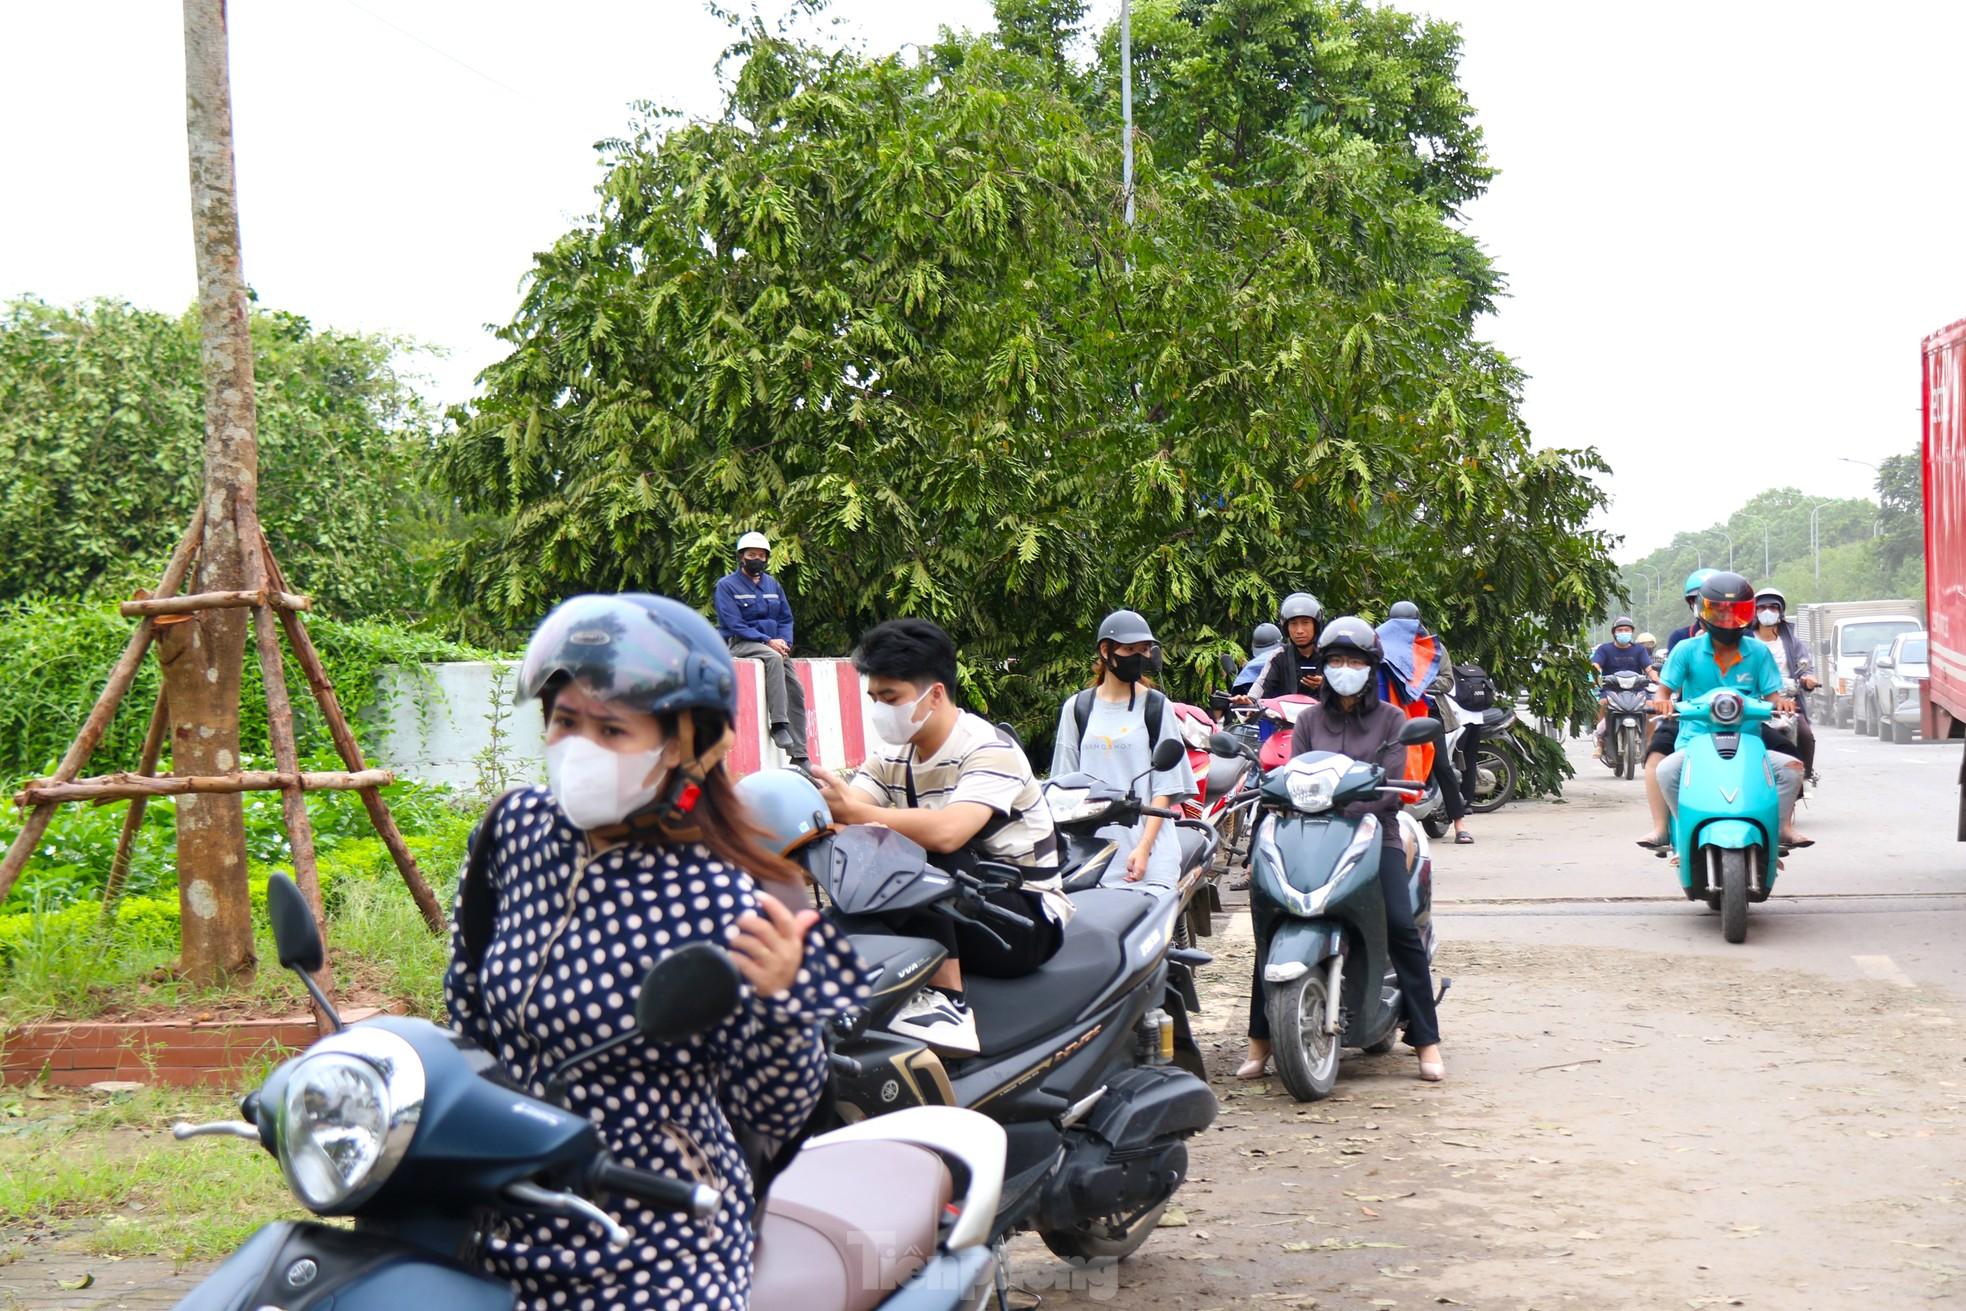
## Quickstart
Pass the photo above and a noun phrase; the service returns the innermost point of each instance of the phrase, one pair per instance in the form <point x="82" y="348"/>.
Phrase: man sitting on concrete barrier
<point x="756" y="620"/>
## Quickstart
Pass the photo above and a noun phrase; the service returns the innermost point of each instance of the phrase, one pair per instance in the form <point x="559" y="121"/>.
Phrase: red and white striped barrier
<point x="837" y="732"/>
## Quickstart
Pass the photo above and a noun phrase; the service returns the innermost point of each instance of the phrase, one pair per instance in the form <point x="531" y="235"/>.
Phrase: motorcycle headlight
<point x="347" y="1114"/>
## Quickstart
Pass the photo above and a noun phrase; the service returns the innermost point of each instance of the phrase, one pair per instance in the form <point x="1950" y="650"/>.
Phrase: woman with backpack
<point x="1109" y="730"/>
<point x="638" y="845"/>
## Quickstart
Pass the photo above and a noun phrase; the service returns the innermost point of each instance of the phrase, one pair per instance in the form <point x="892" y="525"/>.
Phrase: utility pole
<point x="1126" y="105"/>
<point x="1816" y="540"/>
<point x="203" y="656"/>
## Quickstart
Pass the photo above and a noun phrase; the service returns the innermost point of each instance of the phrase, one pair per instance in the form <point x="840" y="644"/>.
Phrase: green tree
<point x="101" y="428"/>
<point x="1901" y="518"/>
<point x="888" y="311"/>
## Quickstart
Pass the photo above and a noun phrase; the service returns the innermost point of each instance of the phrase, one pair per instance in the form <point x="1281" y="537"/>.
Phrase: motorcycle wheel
<point x="1306" y="1056"/>
<point x="1734" y="895"/>
<point x="1105" y="1240"/>
<point x="1436" y="826"/>
<point x="1634" y="753"/>
<point x="1500" y="765"/>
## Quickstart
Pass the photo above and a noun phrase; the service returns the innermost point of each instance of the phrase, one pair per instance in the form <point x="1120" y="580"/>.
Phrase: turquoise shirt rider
<point x="1692" y="672"/>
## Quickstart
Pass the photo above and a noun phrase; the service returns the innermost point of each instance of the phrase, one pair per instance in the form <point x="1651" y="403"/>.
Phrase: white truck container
<point x="1840" y="635"/>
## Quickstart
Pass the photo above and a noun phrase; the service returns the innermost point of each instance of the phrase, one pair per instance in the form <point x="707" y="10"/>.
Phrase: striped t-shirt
<point x="977" y="764"/>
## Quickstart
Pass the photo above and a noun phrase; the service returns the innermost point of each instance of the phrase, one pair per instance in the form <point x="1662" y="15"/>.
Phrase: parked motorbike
<point x="1095" y="823"/>
<point x="1628" y="700"/>
<point x="1496" y="764"/>
<point x="1328" y="981"/>
<point x="1082" y="1061"/>
<point x="1727" y="828"/>
<point x="418" y="1136"/>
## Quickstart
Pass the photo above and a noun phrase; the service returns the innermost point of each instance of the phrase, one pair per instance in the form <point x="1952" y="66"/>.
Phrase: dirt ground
<point x="1618" y="1129"/>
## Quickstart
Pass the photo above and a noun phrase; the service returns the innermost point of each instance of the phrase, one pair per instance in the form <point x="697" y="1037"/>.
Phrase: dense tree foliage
<point x="886" y="308"/>
<point x="101" y="431"/>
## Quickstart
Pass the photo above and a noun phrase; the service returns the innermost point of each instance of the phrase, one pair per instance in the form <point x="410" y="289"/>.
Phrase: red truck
<point x="1944" y="708"/>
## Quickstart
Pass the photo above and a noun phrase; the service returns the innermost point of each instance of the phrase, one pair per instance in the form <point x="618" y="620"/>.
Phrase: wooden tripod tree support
<point x="273" y="609"/>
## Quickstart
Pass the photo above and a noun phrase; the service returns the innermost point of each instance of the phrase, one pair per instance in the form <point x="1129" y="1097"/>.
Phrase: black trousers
<point x="1447" y="780"/>
<point x="1409" y="957"/>
<point x="1470" y="752"/>
<point x="978" y="951"/>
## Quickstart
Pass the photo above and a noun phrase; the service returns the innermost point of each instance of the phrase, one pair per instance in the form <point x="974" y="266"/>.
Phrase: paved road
<point x="1881" y="895"/>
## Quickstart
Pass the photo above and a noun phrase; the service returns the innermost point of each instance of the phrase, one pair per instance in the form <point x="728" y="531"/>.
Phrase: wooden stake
<point x="119" y="868"/>
<point x="196" y="601"/>
<point x="286" y="755"/>
<point x="351" y="751"/>
<point x="115" y="787"/>
<point x="99" y="718"/>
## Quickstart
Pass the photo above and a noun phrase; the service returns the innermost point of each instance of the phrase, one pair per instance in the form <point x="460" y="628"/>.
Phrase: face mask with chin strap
<point x="1770" y="617"/>
<point x="1729" y="637"/>
<point x="1346" y="680"/>
<point x="895" y="724"/>
<point x="752" y="568"/>
<point x="613" y="802"/>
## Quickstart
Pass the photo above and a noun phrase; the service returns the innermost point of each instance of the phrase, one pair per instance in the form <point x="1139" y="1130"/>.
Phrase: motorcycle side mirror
<point x="295" y="935"/>
<point x="1221" y="744"/>
<point x="1230" y="665"/>
<point x="1169" y="753"/>
<point x="1415" y="731"/>
<point x="297" y="939"/>
<point x="687" y="992"/>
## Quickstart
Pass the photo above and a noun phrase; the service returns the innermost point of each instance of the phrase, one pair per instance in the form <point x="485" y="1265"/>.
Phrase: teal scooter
<point x="1727" y="829"/>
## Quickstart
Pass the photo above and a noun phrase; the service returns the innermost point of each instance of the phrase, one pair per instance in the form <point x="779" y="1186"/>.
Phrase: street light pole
<point x="1730" y="547"/>
<point x="1126" y="104"/>
<point x="1816" y="539"/>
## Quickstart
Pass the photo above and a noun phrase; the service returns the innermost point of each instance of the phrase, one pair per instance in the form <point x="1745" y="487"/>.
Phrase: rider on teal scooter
<point x="1719" y="659"/>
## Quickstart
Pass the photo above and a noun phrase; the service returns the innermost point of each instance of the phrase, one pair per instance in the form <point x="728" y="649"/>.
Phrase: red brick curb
<point x="212" y="1053"/>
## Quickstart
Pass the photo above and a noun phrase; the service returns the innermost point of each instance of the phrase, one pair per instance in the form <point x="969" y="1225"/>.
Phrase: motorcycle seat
<point x="1495" y="715"/>
<point x="848" y="1223"/>
<point x="1013" y="1013"/>
<point x="1192" y="842"/>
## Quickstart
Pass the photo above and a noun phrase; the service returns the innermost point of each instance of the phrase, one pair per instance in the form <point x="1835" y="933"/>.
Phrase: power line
<point x="437" y="50"/>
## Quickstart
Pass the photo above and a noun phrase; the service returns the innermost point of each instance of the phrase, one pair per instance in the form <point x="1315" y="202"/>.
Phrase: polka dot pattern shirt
<point x="573" y="937"/>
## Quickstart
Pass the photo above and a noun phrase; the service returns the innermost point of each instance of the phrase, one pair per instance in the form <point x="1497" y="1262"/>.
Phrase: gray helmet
<point x="1350" y="634"/>
<point x="1299" y="605"/>
<point x="1623" y="621"/>
<point x="1404" y="610"/>
<point x="648" y="652"/>
<point x="1772" y="594"/>
<point x="786" y="805"/>
<point x="1124" y="627"/>
<point x="1267" y="635"/>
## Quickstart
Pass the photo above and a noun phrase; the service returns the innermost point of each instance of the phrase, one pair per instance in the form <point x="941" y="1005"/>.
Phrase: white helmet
<point x="753" y="542"/>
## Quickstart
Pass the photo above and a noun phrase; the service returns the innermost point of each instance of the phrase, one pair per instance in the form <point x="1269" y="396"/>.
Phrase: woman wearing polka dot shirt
<point x="638" y="846"/>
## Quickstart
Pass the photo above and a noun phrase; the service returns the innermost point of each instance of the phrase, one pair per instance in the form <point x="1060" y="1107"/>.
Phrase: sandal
<point x="1655" y="843"/>
<point x="1249" y="1070"/>
<point x="1463" y="838"/>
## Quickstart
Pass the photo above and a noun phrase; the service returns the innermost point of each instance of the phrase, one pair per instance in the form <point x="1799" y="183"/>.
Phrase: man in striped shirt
<point x="952" y="782"/>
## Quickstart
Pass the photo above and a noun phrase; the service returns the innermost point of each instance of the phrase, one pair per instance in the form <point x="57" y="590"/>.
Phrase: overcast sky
<point x="1725" y="225"/>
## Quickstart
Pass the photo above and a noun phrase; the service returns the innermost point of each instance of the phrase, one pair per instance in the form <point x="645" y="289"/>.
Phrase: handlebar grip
<point x="1405" y="785"/>
<point x="697" y="1201"/>
<point x="1162" y="812"/>
<point x="1010" y="918"/>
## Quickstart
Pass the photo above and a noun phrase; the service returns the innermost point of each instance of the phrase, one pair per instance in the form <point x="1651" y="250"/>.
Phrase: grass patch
<point x="109" y="1168"/>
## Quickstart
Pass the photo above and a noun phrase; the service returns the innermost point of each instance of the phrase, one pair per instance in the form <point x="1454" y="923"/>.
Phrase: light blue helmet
<point x="786" y="806"/>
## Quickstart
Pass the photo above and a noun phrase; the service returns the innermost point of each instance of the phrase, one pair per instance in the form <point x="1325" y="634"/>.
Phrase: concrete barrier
<point x="454" y="724"/>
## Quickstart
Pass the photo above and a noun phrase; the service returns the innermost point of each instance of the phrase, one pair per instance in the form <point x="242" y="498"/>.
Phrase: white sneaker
<point x="939" y="1020"/>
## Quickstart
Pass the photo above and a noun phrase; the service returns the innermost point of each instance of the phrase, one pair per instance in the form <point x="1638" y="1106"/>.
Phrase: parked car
<point x="1887" y="695"/>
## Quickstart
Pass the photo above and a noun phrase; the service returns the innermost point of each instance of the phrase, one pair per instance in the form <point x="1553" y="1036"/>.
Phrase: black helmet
<point x="1404" y="610"/>
<point x="1124" y="627"/>
<point x="1349" y="634"/>
<point x="1299" y="605"/>
<point x="647" y="652"/>
<point x="1267" y="635"/>
<point x="1726" y="601"/>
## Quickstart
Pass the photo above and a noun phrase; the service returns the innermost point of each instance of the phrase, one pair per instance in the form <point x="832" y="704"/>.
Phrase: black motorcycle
<point x="420" y="1137"/>
<point x="1080" y="1061"/>
<point x="1628" y="700"/>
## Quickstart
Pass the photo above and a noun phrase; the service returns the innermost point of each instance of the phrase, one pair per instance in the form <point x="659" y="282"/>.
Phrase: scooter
<point x="1727" y="827"/>
<point x="1328" y="981"/>
<point x="1081" y="1061"/>
<point x="418" y="1137"/>
<point x="1628" y="701"/>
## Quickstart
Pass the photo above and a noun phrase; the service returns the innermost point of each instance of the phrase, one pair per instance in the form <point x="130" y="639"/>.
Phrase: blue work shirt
<point x="1692" y="672"/>
<point x="1614" y="659"/>
<point x="752" y="610"/>
<point x="1680" y="635"/>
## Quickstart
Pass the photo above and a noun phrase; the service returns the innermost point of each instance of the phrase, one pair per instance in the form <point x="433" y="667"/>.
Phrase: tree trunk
<point x="203" y="657"/>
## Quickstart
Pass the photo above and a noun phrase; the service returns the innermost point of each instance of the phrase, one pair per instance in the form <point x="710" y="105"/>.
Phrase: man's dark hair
<point x="912" y="650"/>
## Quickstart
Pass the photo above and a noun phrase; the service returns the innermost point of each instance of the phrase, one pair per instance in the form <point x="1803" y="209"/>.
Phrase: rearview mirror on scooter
<point x="1415" y="731"/>
<point x="297" y="939"/>
<point x="1230" y="665"/>
<point x="1221" y="744"/>
<point x="687" y="992"/>
<point x="1168" y="754"/>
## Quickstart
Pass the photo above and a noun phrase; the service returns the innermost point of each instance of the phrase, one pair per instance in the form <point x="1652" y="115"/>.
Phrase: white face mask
<point x="597" y="787"/>
<point x="895" y="722"/>
<point x="1346" y="680"/>
<point x="1771" y="617"/>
